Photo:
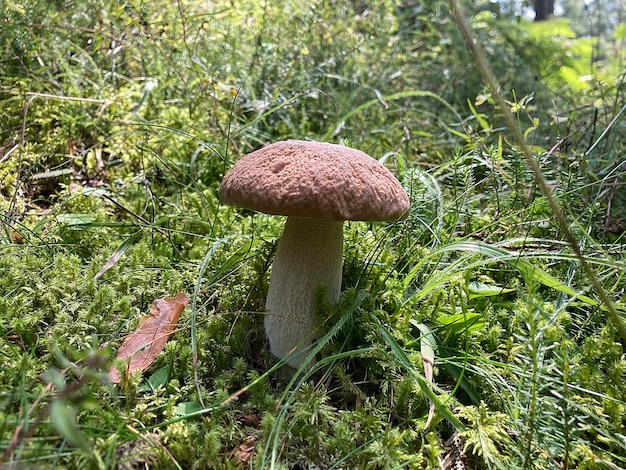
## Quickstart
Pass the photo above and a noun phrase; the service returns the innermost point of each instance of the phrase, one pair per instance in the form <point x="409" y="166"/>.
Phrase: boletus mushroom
<point x="318" y="186"/>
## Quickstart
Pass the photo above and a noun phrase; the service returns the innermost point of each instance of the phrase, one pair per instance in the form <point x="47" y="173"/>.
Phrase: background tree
<point x="543" y="9"/>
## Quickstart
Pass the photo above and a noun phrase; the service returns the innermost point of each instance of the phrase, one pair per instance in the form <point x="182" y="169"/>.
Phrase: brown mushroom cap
<point x="314" y="180"/>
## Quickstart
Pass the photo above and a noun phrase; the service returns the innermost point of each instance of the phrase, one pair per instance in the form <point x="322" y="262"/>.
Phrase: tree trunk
<point x="544" y="9"/>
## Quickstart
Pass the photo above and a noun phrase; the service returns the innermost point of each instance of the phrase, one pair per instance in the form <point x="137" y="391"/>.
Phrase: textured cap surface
<point x="314" y="180"/>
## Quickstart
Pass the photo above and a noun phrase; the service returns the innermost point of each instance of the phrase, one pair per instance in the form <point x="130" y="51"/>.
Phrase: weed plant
<point x="120" y="119"/>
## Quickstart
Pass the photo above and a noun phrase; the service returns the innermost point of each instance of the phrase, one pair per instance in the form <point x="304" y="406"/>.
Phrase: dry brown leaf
<point x="148" y="340"/>
<point x="243" y="454"/>
<point x="16" y="237"/>
<point x="428" y="372"/>
<point x="253" y="420"/>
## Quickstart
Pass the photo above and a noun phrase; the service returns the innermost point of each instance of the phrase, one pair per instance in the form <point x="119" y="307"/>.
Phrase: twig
<point x="8" y="154"/>
<point x="67" y="98"/>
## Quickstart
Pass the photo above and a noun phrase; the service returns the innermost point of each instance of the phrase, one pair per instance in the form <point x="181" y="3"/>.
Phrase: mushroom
<point x="318" y="186"/>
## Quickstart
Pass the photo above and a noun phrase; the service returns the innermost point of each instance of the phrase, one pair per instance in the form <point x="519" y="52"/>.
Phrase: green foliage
<point x="118" y="122"/>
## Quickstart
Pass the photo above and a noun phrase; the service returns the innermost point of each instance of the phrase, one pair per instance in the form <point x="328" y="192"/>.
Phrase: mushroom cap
<point x="314" y="180"/>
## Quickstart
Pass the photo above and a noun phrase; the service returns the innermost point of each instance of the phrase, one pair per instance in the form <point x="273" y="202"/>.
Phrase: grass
<point x="120" y="123"/>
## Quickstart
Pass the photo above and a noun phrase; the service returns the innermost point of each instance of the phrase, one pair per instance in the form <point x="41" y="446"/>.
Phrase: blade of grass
<point x="395" y="96"/>
<point x="224" y="268"/>
<point x="118" y="253"/>
<point x="402" y="359"/>
<point x="526" y="268"/>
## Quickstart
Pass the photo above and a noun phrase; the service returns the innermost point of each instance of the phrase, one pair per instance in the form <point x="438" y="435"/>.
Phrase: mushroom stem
<point x="309" y="254"/>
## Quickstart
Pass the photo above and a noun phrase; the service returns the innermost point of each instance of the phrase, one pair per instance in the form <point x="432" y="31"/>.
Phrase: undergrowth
<point x="119" y="122"/>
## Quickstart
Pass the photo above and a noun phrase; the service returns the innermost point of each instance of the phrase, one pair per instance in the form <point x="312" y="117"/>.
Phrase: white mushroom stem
<point x="309" y="254"/>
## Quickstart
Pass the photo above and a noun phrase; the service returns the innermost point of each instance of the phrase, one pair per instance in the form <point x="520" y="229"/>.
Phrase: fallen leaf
<point x="243" y="454"/>
<point x="253" y="420"/>
<point x="148" y="340"/>
<point x="16" y="237"/>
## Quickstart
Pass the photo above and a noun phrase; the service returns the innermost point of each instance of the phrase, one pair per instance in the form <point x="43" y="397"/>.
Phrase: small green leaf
<point x="159" y="378"/>
<point x="479" y="117"/>
<point x="54" y="376"/>
<point x="479" y="289"/>
<point x="187" y="407"/>
<point x="462" y="322"/>
<point x="156" y="380"/>
<point x="64" y="420"/>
